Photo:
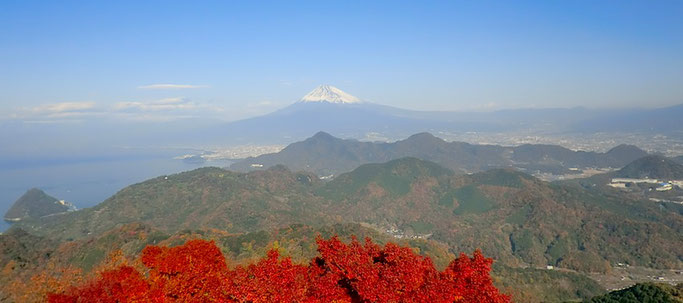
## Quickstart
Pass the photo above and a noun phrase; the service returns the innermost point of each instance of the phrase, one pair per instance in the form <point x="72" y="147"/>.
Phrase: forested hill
<point x="35" y="204"/>
<point x="513" y="217"/>
<point x="654" y="167"/>
<point x="646" y="292"/>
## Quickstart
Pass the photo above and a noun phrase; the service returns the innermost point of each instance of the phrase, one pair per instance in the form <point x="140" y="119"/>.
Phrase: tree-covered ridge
<point x="354" y="272"/>
<point x="511" y="216"/>
<point x="325" y="155"/>
<point x="643" y="293"/>
<point x="654" y="167"/>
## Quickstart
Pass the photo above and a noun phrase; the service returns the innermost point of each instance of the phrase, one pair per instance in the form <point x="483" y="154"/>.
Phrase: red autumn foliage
<point x="124" y="284"/>
<point x="355" y="272"/>
<point x="472" y="279"/>
<point x="272" y="279"/>
<point x="194" y="270"/>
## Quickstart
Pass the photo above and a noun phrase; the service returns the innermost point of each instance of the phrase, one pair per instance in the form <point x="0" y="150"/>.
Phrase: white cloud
<point x="55" y="112"/>
<point x="62" y="107"/>
<point x="171" y="86"/>
<point x="161" y="110"/>
<point x="150" y="117"/>
<point x="53" y="121"/>
<point x="167" y="109"/>
<point x="174" y="100"/>
<point x="158" y="105"/>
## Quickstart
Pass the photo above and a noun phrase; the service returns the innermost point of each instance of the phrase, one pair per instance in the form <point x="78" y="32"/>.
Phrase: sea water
<point x="86" y="183"/>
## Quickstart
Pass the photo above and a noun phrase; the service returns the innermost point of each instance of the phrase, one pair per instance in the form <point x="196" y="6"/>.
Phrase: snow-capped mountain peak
<point x="328" y="93"/>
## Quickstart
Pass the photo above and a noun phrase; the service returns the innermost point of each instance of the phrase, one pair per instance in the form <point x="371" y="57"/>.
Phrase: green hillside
<point x="202" y="198"/>
<point x="396" y="177"/>
<point x="511" y="216"/>
<point x="643" y="293"/>
<point x="522" y="222"/>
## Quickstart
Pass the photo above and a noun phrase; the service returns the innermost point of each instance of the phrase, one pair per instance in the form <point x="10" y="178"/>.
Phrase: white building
<point x="631" y="180"/>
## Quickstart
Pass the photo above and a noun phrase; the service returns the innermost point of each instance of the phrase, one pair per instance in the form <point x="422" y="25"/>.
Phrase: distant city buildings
<point x="231" y="153"/>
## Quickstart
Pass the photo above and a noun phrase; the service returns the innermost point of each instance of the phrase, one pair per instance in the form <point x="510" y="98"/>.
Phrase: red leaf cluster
<point x="355" y="272"/>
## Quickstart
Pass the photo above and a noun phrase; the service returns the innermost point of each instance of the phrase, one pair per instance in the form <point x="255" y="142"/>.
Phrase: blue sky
<point x="232" y="60"/>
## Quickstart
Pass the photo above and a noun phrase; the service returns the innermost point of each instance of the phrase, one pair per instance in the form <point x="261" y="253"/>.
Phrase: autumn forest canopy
<point x="355" y="272"/>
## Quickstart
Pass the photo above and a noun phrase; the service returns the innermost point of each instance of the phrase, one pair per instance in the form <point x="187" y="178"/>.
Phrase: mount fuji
<point x="327" y="93"/>
<point x="332" y="110"/>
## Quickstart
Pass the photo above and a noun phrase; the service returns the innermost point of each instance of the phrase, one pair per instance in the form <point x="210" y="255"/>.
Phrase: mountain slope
<point x="512" y="216"/>
<point x="202" y="198"/>
<point x="519" y="219"/>
<point x="296" y="241"/>
<point x="325" y="155"/>
<point x="301" y="119"/>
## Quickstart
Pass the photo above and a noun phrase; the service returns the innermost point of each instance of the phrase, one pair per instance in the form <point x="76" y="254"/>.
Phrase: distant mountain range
<point x="333" y="110"/>
<point x="326" y="155"/>
<point x="513" y="217"/>
<point x="36" y="204"/>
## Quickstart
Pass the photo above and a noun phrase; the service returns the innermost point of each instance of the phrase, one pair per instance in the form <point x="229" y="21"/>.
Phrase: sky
<point x="228" y="60"/>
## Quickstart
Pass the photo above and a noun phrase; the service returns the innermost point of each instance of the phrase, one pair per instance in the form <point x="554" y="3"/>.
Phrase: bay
<point x="87" y="183"/>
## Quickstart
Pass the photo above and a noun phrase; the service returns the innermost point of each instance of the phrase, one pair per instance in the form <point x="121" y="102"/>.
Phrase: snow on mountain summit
<point x="328" y="93"/>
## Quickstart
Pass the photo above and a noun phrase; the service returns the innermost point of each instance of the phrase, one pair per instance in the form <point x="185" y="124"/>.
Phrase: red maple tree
<point x="354" y="272"/>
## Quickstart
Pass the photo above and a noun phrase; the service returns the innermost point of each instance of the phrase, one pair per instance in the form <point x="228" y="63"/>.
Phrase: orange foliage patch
<point x="355" y="272"/>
